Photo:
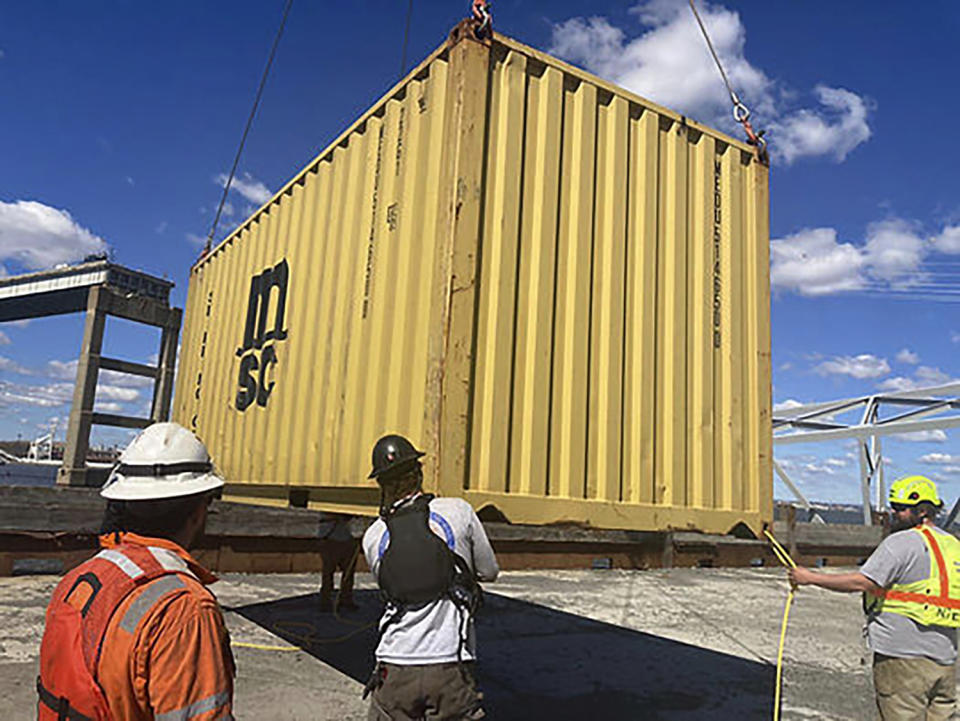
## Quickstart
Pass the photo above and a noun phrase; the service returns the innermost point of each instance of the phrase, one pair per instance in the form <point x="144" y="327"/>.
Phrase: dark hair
<point x="394" y="486"/>
<point x="925" y="509"/>
<point x="163" y="518"/>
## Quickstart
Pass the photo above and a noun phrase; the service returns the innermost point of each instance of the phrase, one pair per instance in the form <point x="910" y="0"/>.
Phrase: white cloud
<point x="923" y="377"/>
<point x="954" y="337"/>
<point x="11" y="366"/>
<point x="907" y="356"/>
<point x="949" y="240"/>
<point x="49" y="395"/>
<point x="861" y="366"/>
<point x="669" y="63"/>
<point x="197" y="240"/>
<point x="787" y="405"/>
<point x="161" y="227"/>
<point x="933" y="436"/>
<point x="939" y="458"/>
<point x="108" y="407"/>
<point x="893" y="250"/>
<point x="4" y="338"/>
<point x="248" y="187"/>
<point x="833" y="131"/>
<point x="38" y="236"/>
<point x="813" y="263"/>
<point x="130" y="181"/>
<point x="67" y="370"/>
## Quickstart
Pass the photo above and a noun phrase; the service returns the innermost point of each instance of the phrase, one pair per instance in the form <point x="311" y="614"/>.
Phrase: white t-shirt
<point x="431" y="634"/>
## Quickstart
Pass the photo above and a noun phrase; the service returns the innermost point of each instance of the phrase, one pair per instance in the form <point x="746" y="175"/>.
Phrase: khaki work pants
<point x="913" y="689"/>
<point x="438" y="692"/>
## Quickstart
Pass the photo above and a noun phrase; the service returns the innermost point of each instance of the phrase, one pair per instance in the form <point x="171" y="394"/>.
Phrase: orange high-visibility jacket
<point x="133" y="634"/>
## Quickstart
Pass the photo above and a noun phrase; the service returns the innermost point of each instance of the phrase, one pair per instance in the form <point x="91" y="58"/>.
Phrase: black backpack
<point x="419" y="567"/>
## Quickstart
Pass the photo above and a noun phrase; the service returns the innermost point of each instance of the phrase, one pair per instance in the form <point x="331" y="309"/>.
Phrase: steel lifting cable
<point x="246" y="130"/>
<point x="781" y="553"/>
<point x="741" y="113"/>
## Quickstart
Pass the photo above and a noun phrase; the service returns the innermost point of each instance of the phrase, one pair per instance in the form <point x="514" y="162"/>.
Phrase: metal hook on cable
<point x="741" y="113"/>
<point x="481" y="12"/>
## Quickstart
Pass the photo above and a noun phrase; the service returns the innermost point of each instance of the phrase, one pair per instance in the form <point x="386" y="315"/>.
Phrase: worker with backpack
<point x="133" y="634"/>
<point x="427" y="555"/>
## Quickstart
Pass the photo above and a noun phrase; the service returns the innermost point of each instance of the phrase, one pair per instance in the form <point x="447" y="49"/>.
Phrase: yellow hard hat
<point x="911" y="490"/>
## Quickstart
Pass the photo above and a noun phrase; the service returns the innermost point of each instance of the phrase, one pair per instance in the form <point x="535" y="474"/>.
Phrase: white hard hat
<point x="164" y="461"/>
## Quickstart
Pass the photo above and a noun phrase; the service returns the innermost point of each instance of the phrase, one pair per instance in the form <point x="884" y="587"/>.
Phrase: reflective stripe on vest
<point x="197" y="708"/>
<point x="915" y="600"/>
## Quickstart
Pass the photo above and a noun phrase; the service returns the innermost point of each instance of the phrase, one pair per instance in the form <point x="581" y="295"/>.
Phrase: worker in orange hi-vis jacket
<point x="134" y="634"/>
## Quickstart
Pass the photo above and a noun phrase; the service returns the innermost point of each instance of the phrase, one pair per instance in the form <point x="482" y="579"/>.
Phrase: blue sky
<point x="119" y="119"/>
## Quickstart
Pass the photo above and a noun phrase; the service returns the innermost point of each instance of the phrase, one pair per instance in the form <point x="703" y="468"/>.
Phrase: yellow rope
<point x="262" y="647"/>
<point x="781" y="553"/>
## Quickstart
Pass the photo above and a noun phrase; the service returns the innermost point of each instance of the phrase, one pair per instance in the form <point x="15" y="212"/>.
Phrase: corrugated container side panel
<point x="735" y="293"/>
<point x="379" y="301"/>
<point x="570" y="374"/>
<point x="421" y="220"/>
<point x="498" y="272"/>
<point x="183" y="406"/>
<point x="218" y="385"/>
<point x="751" y="359"/>
<point x="318" y="345"/>
<point x="530" y="428"/>
<point x="607" y="301"/>
<point x="764" y="481"/>
<point x="300" y="465"/>
<point x="639" y="418"/>
<point x="348" y="411"/>
<point x="239" y="265"/>
<point x="670" y="334"/>
<point x="700" y="430"/>
<point x="329" y="342"/>
<point x="401" y="218"/>
<point x="252" y="430"/>
<point x="726" y="401"/>
<point x="284" y="438"/>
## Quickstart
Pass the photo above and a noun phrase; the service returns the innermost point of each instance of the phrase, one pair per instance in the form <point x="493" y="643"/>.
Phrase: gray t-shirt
<point x="431" y="634"/>
<point x="903" y="558"/>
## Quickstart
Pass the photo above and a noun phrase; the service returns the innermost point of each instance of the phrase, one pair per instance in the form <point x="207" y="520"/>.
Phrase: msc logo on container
<point x="258" y="353"/>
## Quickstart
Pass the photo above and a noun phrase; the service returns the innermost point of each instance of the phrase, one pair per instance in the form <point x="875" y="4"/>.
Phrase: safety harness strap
<point x="942" y="600"/>
<point x="59" y="705"/>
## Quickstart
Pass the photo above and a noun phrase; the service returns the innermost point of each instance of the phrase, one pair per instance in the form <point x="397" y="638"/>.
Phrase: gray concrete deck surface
<point x="678" y="644"/>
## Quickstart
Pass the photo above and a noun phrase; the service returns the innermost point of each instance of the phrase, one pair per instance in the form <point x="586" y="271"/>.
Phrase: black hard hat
<point x="393" y="453"/>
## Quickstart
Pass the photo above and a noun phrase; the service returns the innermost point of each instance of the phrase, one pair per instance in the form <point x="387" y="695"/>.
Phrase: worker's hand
<point x="801" y="576"/>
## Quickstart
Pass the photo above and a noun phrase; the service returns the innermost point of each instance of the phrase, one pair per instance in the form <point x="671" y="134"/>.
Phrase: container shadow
<point x="538" y="662"/>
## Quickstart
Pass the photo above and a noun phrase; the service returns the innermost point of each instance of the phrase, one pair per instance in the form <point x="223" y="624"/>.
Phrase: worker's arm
<point x="190" y="668"/>
<point x="484" y="561"/>
<point x="841" y="582"/>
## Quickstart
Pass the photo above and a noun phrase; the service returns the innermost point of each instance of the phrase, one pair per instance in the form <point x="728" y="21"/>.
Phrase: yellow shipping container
<point x="557" y="288"/>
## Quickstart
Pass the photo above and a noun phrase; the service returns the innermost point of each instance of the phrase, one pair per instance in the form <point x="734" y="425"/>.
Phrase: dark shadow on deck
<point x="540" y="663"/>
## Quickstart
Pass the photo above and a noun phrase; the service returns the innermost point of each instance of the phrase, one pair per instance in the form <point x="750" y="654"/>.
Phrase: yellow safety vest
<point x="935" y="601"/>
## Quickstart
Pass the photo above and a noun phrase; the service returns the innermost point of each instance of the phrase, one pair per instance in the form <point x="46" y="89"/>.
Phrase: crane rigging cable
<point x="246" y="130"/>
<point x="741" y="113"/>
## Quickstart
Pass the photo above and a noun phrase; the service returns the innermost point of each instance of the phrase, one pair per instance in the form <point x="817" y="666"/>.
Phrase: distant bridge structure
<point x="99" y="288"/>
<point x="868" y="420"/>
